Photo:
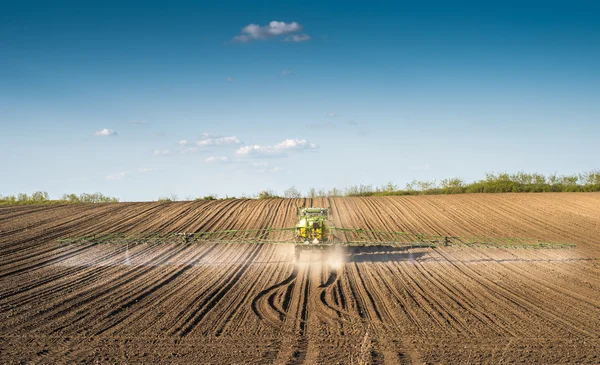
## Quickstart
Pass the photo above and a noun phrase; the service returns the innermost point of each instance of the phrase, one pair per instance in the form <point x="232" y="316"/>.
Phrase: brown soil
<point x="240" y="303"/>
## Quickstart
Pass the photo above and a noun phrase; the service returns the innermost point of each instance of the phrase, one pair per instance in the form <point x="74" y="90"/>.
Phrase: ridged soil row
<point x="556" y="270"/>
<point x="96" y="264"/>
<point x="82" y="301"/>
<point x="236" y="316"/>
<point x="518" y="217"/>
<point x="206" y="303"/>
<point x="34" y="235"/>
<point x="433" y="313"/>
<point x="381" y="327"/>
<point x="410" y="217"/>
<point x="272" y="304"/>
<point x="140" y="221"/>
<point x="14" y="211"/>
<point x="512" y="317"/>
<point x="135" y="309"/>
<point x="22" y="220"/>
<point x="533" y="223"/>
<point x="345" y="328"/>
<point x="216" y="216"/>
<point x="236" y="301"/>
<point x="154" y="310"/>
<point x="323" y="331"/>
<point x="461" y="222"/>
<point x="475" y="310"/>
<point x="525" y="304"/>
<point x="390" y="327"/>
<point x="555" y="299"/>
<point x="295" y="348"/>
<point x="40" y="254"/>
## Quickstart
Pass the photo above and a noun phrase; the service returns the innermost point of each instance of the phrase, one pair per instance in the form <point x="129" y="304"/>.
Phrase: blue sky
<point x="144" y="99"/>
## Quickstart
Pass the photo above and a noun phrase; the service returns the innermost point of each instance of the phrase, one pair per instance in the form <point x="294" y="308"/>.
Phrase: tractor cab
<point x="312" y="226"/>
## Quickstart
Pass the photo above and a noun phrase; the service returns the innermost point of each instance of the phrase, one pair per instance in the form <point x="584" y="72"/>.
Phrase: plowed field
<point x="241" y="303"/>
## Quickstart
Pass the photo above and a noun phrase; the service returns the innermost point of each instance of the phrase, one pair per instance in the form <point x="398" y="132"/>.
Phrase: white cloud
<point x="278" y="149"/>
<point x="230" y="79"/>
<point x="285" y="72"/>
<point x="190" y="150"/>
<point x="146" y="169"/>
<point x="295" y="144"/>
<point x="138" y="122"/>
<point x="219" y="141"/>
<point x="254" y="31"/>
<point x="217" y="159"/>
<point x="353" y="123"/>
<point x="207" y="141"/>
<point x="118" y="176"/>
<point x="248" y="150"/>
<point x="297" y="38"/>
<point x="105" y="133"/>
<point x="332" y="115"/>
<point x="164" y="152"/>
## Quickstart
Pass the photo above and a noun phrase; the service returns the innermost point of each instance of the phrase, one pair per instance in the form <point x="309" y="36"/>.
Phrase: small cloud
<point x="276" y="150"/>
<point x="295" y="144"/>
<point x="352" y="123"/>
<point x="217" y="159"/>
<point x="118" y="176"/>
<point x="230" y="79"/>
<point x="164" y="152"/>
<point x="297" y="38"/>
<point x="190" y="150"/>
<point x="333" y="115"/>
<point x="146" y="169"/>
<point x="256" y="32"/>
<point x="105" y="133"/>
<point x="138" y="122"/>
<point x="285" y="72"/>
<point x="248" y="150"/>
<point x="220" y="141"/>
<point x="208" y="140"/>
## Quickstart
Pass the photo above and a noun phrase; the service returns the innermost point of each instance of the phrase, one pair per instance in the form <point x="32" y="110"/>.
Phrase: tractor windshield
<point x="314" y="213"/>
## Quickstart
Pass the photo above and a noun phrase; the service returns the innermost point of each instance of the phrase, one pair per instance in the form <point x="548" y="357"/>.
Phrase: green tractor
<point x="313" y="230"/>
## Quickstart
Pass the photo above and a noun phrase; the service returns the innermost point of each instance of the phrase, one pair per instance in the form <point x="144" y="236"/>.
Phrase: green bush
<point x="210" y="197"/>
<point x="267" y="194"/>
<point x="292" y="192"/>
<point x="42" y="197"/>
<point x="519" y="182"/>
<point x="170" y="198"/>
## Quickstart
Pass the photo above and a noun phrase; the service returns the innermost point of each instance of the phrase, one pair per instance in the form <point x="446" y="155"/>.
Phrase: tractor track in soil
<point x="241" y="303"/>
